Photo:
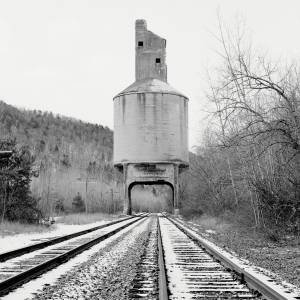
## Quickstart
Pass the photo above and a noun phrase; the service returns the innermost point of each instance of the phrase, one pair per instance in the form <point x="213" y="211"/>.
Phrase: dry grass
<point x="82" y="218"/>
<point x="12" y="228"/>
<point x="212" y="223"/>
<point x="280" y="257"/>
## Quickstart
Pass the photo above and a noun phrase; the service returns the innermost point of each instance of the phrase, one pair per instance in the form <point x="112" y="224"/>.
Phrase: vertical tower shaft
<point x="150" y="53"/>
<point x="150" y="122"/>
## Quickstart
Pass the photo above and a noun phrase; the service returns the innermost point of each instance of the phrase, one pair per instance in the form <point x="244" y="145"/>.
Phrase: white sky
<point x="71" y="57"/>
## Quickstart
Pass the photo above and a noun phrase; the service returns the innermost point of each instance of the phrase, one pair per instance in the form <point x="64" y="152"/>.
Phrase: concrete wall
<point x="154" y="47"/>
<point x="150" y="121"/>
<point x="148" y="173"/>
<point x="150" y="127"/>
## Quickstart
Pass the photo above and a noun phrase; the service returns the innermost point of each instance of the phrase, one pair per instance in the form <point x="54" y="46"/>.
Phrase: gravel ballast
<point x="108" y="274"/>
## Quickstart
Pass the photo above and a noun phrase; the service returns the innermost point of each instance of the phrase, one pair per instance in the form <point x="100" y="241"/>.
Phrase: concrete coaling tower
<point x="150" y="122"/>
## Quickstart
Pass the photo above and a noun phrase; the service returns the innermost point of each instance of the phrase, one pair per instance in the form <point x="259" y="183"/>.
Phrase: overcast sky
<point x="72" y="57"/>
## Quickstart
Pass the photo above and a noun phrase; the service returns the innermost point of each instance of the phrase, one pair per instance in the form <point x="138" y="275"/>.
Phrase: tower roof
<point x="150" y="63"/>
<point x="150" y="85"/>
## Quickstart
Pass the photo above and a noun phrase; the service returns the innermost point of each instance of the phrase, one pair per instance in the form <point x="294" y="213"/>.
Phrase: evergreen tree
<point x="78" y="203"/>
<point x="16" y="202"/>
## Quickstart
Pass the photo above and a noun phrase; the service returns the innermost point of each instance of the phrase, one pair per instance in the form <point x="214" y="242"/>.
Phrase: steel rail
<point x="17" y="280"/>
<point x="264" y="287"/>
<point x="23" y="250"/>
<point x="162" y="285"/>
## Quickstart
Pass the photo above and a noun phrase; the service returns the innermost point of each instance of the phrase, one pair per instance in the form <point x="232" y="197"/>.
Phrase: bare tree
<point x="257" y="106"/>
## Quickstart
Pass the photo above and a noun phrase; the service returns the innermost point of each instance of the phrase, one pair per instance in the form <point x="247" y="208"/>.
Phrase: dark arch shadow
<point x="158" y="182"/>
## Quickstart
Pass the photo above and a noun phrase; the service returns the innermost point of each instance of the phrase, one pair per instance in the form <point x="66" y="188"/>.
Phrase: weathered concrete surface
<point x="150" y="53"/>
<point x="150" y="173"/>
<point x="150" y="127"/>
<point x="150" y="122"/>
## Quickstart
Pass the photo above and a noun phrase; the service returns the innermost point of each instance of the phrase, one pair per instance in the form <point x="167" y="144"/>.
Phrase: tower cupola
<point x="150" y="53"/>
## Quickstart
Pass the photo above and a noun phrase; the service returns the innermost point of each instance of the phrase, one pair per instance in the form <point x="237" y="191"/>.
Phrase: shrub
<point x="17" y="203"/>
<point x="78" y="203"/>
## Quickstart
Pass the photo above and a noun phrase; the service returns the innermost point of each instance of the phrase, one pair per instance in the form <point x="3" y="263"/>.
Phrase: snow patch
<point x="287" y="290"/>
<point x="30" y="289"/>
<point x="8" y="243"/>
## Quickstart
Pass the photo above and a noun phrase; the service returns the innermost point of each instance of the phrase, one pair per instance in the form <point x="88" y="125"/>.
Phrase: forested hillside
<point x="36" y="128"/>
<point x="72" y="158"/>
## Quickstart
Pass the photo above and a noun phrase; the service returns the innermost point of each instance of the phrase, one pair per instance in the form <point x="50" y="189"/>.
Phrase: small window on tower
<point x="140" y="43"/>
<point x="157" y="60"/>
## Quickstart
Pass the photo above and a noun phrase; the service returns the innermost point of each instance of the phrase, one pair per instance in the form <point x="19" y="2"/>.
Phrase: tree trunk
<point x="232" y="181"/>
<point x="86" y="194"/>
<point x="5" y="200"/>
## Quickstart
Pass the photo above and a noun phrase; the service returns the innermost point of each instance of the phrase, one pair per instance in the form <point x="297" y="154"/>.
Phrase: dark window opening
<point x="140" y="43"/>
<point x="157" y="60"/>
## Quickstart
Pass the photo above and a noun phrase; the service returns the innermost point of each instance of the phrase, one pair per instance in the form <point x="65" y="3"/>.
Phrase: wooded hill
<point x="71" y="157"/>
<point x="37" y="128"/>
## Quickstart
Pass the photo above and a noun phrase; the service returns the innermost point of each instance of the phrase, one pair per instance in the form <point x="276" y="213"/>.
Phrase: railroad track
<point x="176" y="263"/>
<point x="39" y="258"/>
<point x="52" y="241"/>
<point x="197" y="269"/>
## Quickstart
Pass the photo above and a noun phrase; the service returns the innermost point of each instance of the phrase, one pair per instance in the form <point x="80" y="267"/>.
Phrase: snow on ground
<point x="8" y="243"/>
<point x="177" y="283"/>
<point x="287" y="290"/>
<point x="12" y="263"/>
<point x="210" y="231"/>
<point x="31" y="289"/>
